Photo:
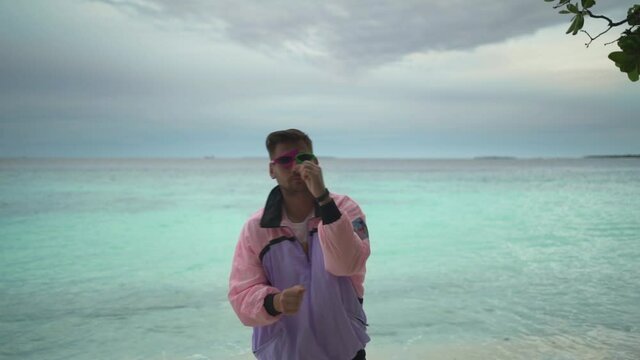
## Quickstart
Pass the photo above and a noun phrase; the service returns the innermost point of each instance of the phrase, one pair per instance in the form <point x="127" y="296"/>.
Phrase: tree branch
<point x="609" y="43"/>
<point x="610" y="26"/>
<point x="611" y="23"/>
<point x="561" y="4"/>
<point x="593" y="38"/>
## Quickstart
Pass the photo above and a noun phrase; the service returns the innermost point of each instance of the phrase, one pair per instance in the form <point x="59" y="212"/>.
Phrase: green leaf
<point x="572" y="26"/>
<point x="573" y="8"/>
<point x="634" y="75"/>
<point x="628" y="66"/>
<point x="633" y="15"/>
<point x="579" y="23"/>
<point x="588" y="3"/>
<point x="564" y="12"/>
<point x="629" y="43"/>
<point x="549" y="0"/>
<point x="618" y="57"/>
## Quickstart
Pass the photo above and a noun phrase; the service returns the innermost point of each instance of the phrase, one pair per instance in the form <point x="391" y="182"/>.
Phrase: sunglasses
<point x="288" y="158"/>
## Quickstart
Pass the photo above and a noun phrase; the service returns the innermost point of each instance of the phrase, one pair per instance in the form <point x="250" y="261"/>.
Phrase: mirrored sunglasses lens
<point x="304" y="157"/>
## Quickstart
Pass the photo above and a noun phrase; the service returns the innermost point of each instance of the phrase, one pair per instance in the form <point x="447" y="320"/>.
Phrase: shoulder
<point x="252" y="225"/>
<point x="251" y="231"/>
<point x="347" y="204"/>
<point x="341" y="199"/>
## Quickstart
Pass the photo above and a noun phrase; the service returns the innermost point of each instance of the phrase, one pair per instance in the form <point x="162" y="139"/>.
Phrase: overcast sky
<point x="392" y="78"/>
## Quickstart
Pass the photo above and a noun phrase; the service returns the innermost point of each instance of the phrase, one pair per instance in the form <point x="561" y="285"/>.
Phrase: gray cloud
<point x="359" y="33"/>
<point x="125" y="78"/>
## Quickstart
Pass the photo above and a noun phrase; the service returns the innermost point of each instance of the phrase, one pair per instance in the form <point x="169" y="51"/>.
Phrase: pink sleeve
<point x="248" y="285"/>
<point x="345" y="242"/>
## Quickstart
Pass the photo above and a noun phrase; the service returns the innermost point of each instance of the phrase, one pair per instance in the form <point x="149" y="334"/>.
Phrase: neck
<point x="298" y="204"/>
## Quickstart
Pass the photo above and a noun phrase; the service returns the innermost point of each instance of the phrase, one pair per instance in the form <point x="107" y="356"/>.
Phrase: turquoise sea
<point x="471" y="259"/>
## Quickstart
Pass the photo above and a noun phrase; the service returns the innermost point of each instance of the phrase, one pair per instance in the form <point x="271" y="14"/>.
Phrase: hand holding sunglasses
<point x="310" y="172"/>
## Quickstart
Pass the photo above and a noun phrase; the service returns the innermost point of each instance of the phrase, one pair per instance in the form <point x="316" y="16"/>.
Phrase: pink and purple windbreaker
<point x="331" y="323"/>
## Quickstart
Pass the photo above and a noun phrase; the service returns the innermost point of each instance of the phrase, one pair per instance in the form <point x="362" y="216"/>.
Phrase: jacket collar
<point x="272" y="215"/>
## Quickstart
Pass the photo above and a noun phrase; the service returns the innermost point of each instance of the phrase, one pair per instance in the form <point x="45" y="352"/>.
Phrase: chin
<point x="296" y="187"/>
<point x="300" y="187"/>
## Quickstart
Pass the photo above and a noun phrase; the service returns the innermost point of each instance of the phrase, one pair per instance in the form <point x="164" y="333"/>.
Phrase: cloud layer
<point x="191" y="78"/>
<point x="358" y="33"/>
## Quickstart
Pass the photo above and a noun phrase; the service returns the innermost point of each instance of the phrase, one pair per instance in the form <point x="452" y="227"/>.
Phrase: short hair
<point x="287" y="137"/>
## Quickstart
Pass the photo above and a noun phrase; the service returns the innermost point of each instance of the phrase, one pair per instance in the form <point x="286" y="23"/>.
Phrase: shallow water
<point x="129" y="259"/>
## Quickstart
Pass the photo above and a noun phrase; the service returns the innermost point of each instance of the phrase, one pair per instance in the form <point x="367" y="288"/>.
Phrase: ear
<point x="271" y="172"/>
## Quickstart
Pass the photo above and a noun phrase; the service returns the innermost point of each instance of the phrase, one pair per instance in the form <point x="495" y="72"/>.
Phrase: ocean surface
<point x="471" y="259"/>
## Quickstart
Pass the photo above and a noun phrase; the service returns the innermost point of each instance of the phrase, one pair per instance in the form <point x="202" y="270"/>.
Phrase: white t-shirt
<point x="300" y="229"/>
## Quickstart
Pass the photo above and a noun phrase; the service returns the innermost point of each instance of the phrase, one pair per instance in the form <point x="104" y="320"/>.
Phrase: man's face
<point x="288" y="177"/>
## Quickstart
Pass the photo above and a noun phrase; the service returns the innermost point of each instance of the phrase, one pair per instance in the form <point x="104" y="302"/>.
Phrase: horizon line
<point x="328" y="157"/>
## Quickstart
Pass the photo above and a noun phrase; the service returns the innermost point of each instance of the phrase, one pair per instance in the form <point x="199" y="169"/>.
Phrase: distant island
<point x="612" y="156"/>
<point x="494" y="158"/>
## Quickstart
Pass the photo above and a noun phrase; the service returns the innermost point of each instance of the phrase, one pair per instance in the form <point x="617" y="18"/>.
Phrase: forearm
<point x="248" y="285"/>
<point x="345" y="252"/>
<point x="249" y="305"/>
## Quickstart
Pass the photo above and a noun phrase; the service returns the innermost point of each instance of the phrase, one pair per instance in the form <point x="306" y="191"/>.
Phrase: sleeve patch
<point x="360" y="228"/>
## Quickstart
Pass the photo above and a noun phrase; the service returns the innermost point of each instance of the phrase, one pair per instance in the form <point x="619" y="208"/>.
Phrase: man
<point x="299" y="265"/>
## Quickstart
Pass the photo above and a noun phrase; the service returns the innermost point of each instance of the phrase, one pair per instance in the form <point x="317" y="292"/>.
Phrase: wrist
<point x="329" y="211"/>
<point x="270" y="306"/>
<point x="326" y="201"/>
<point x="276" y="302"/>
<point x="324" y="197"/>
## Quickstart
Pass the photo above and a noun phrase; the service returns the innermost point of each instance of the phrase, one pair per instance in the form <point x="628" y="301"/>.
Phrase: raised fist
<point x="289" y="300"/>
